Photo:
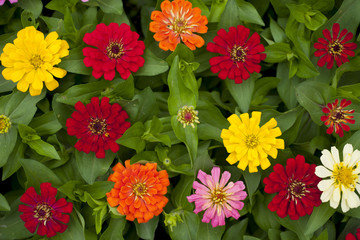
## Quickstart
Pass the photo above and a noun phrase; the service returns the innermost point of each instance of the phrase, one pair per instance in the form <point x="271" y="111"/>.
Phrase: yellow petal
<point x="51" y="37"/>
<point x="245" y="119"/>
<point x="58" y="72"/>
<point x="34" y="92"/>
<point x="22" y="85"/>
<point x="30" y="76"/>
<point x="17" y="75"/>
<point x="264" y="163"/>
<point x="52" y="85"/>
<point x="231" y="158"/>
<point x="7" y="73"/>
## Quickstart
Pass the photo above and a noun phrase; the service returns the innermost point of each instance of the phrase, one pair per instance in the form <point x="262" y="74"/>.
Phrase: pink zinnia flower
<point x="11" y="1"/>
<point x="218" y="199"/>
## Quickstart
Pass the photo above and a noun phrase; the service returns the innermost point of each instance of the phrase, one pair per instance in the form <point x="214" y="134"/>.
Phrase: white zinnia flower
<point x="344" y="177"/>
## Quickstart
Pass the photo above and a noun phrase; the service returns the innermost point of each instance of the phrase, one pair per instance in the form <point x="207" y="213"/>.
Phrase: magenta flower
<point x="11" y="1"/>
<point x="218" y="199"/>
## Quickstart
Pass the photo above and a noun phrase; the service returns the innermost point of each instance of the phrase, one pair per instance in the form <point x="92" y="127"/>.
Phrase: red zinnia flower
<point x="44" y="212"/>
<point x="138" y="191"/>
<point x="351" y="236"/>
<point x="297" y="188"/>
<point x="116" y="47"/>
<point x="337" y="117"/>
<point x="240" y="55"/>
<point x="97" y="126"/>
<point x="334" y="47"/>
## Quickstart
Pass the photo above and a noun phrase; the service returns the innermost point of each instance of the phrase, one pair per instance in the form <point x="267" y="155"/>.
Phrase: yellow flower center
<point x="336" y="47"/>
<point x="344" y="176"/>
<point x="98" y="126"/>
<point x="251" y="141"/>
<point x="36" y="61"/>
<point x="296" y="189"/>
<point x="218" y="196"/>
<point x="115" y="50"/>
<point x="43" y="212"/>
<point x="188" y="115"/>
<point x="5" y="124"/>
<point x="178" y="26"/>
<point x="238" y="53"/>
<point x="139" y="189"/>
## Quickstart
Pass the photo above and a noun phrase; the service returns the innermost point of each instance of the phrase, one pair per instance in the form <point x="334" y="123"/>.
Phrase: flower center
<point x="338" y="114"/>
<point x="336" y="47"/>
<point x="139" y="189"/>
<point x="251" y="141"/>
<point x="178" y="26"/>
<point x="218" y="196"/>
<point x="344" y="176"/>
<point x="98" y="126"/>
<point x="296" y="189"/>
<point x="238" y="53"/>
<point x="187" y="115"/>
<point x="115" y="50"/>
<point x="5" y="124"/>
<point x="36" y="61"/>
<point x="43" y="212"/>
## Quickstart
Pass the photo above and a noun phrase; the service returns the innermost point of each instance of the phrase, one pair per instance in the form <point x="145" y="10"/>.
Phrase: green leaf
<point x="34" y="6"/>
<point x="286" y="87"/>
<point x="75" y="66"/>
<point x="277" y="52"/>
<point x="296" y="226"/>
<point x="182" y="52"/>
<point x="237" y="230"/>
<point x="147" y="230"/>
<point x="263" y="217"/>
<point x="120" y="88"/>
<point x="303" y="13"/>
<point x="252" y="181"/>
<point x="238" y="11"/>
<point x="37" y="173"/>
<point x="305" y="68"/>
<point x="27" y="19"/>
<point x="322" y="5"/>
<point x="34" y="141"/>
<point x="20" y="107"/>
<point x="216" y="10"/>
<point x="242" y="93"/>
<point x="312" y="96"/>
<point x="98" y="189"/>
<point x="4" y="205"/>
<point x="153" y="65"/>
<point x="13" y="163"/>
<point x="7" y="144"/>
<point x="7" y="13"/>
<point x="132" y="138"/>
<point x="181" y="191"/>
<point x="115" y="229"/>
<point x="208" y="232"/>
<point x="318" y="218"/>
<point x="186" y="230"/>
<point x="153" y="132"/>
<point x="75" y="228"/>
<point x="61" y="5"/>
<point x="111" y="6"/>
<point x="82" y="92"/>
<point x="46" y="124"/>
<point x="277" y="32"/>
<point x="91" y="167"/>
<point x="200" y="4"/>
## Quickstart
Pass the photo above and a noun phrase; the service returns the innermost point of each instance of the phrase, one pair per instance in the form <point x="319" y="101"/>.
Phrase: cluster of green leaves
<point x="291" y="88"/>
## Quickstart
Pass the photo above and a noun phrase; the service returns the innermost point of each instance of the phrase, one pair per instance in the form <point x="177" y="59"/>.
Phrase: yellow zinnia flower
<point x="30" y="60"/>
<point x="249" y="143"/>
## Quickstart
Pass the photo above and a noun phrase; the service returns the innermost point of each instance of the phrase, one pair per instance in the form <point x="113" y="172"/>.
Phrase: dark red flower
<point x="117" y="47"/>
<point x="337" y="117"/>
<point x="239" y="55"/>
<point x="44" y="212"/>
<point x="97" y="126"/>
<point x="334" y="47"/>
<point x="296" y="187"/>
<point x="351" y="236"/>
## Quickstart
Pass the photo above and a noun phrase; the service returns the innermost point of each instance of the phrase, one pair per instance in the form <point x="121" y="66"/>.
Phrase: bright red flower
<point x="296" y="187"/>
<point x="117" y="47"/>
<point x="337" y="117"/>
<point x="351" y="236"/>
<point x="334" y="47"/>
<point x="240" y="55"/>
<point x="44" y="212"/>
<point x="97" y="126"/>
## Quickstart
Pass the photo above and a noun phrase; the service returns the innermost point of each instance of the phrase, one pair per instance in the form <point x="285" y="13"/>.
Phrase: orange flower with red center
<point x="178" y="20"/>
<point x="138" y="191"/>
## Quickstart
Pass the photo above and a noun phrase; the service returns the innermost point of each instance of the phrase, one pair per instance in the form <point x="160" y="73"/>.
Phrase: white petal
<point x="327" y="159"/>
<point x="334" y="204"/>
<point x="326" y="195"/>
<point x="358" y="188"/>
<point x="353" y="200"/>
<point x="347" y="154"/>
<point x="325" y="184"/>
<point x="355" y="158"/>
<point x="336" y="195"/>
<point x="344" y="206"/>
<point x="322" y="172"/>
<point x="335" y="154"/>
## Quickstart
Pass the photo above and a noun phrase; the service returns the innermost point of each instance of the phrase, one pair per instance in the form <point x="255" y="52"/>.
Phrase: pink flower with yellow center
<point x="219" y="198"/>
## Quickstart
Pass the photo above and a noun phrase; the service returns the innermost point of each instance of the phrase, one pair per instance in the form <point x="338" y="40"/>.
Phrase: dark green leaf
<point x="237" y="230"/>
<point x="115" y="229"/>
<point x="34" y="6"/>
<point x="181" y="191"/>
<point x="111" y="6"/>
<point x="153" y="65"/>
<point x="147" y="230"/>
<point x="186" y="230"/>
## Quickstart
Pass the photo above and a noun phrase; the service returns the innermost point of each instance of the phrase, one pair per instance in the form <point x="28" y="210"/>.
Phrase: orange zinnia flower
<point x="178" y="20"/>
<point x="138" y="191"/>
